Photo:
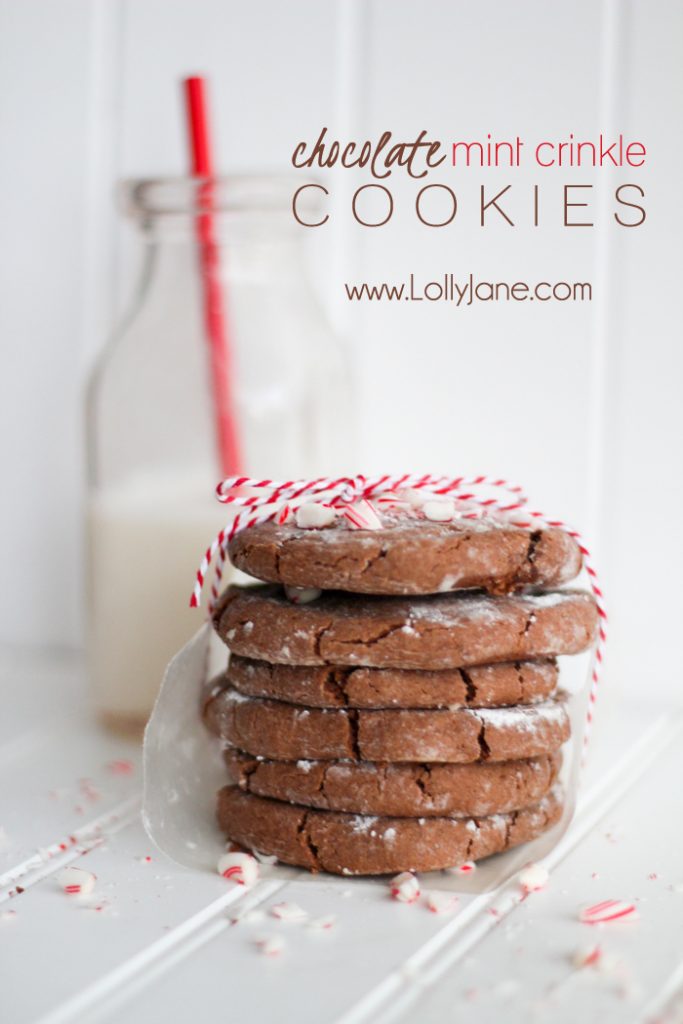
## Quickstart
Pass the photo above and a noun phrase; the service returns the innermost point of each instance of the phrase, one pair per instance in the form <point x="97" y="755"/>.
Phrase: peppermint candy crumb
<point x="270" y="945"/>
<point x="442" y="902"/>
<point x="608" y="911"/>
<point x="439" y="511"/>
<point x="533" y="878"/>
<point x="313" y="516"/>
<point x="239" y="867"/>
<point x="587" y="956"/>
<point x="302" y="595"/>
<point x="413" y="496"/>
<point x="463" y="869"/>
<point x="322" y="924"/>
<point x="289" y="912"/>
<point x="249" y="916"/>
<point x="362" y="516"/>
<point x="391" y="499"/>
<point x="76" y="881"/>
<point x="405" y="887"/>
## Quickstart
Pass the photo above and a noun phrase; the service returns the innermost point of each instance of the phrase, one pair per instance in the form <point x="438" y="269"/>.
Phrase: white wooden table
<point x="155" y="941"/>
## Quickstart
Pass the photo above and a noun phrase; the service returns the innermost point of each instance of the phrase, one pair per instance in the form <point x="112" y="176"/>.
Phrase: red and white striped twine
<point x="259" y="501"/>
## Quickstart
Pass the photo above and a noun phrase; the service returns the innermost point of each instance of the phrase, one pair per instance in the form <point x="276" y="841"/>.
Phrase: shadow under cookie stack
<point x="391" y="701"/>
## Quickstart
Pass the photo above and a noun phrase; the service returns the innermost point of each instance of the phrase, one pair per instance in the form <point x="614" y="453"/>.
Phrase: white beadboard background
<point x="579" y="402"/>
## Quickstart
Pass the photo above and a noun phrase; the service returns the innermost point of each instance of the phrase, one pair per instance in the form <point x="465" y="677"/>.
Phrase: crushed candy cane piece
<point x="89" y="790"/>
<point x="239" y="867"/>
<point x="254" y="916"/>
<point x="302" y="595"/>
<point x="76" y="881"/>
<point x="288" y="912"/>
<point x="587" y="956"/>
<point x="95" y="903"/>
<point x="413" y="496"/>
<point x="442" y="902"/>
<point x="362" y="516"/>
<point x="405" y="887"/>
<point x="439" y="511"/>
<point x="312" y="515"/>
<point x="322" y="924"/>
<point x="390" y="499"/>
<point x="608" y="910"/>
<point x="247" y="915"/>
<point x="533" y="878"/>
<point x="121" y="767"/>
<point x="463" y="869"/>
<point x="271" y="945"/>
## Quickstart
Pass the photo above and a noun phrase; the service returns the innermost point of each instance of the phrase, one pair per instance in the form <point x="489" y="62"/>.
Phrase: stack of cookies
<point x="391" y="701"/>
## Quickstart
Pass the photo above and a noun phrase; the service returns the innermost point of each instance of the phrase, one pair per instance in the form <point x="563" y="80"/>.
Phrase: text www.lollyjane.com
<point x="469" y="290"/>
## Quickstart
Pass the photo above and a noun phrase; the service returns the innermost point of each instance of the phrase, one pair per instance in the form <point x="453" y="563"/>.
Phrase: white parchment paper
<point x="183" y="763"/>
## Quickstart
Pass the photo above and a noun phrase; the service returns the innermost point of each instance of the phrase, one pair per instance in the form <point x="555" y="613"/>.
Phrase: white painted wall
<point x="581" y="403"/>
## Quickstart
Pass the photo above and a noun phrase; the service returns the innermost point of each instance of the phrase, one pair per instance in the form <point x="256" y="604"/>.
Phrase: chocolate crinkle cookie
<point x="479" y="686"/>
<point x="436" y="632"/>
<point x="356" y="844"/>
<point x="409" y="554"/>
<point x="401" y="790"/>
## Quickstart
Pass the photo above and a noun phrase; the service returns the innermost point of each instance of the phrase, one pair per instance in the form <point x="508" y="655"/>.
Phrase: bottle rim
<point x="232" y="193"/>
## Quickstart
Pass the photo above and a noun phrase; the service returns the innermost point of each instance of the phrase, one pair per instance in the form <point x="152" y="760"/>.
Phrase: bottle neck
<point x="233" y="251"/>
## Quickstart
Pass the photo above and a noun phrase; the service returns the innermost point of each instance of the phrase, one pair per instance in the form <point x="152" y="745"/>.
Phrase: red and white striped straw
<point x="259" y="501"/>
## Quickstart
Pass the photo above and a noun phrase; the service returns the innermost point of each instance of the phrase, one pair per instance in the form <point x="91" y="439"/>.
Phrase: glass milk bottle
<point x="153" y="460"/>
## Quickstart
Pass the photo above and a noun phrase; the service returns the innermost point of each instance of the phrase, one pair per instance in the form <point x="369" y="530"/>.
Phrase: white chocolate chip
<point x="312" y="516"/>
